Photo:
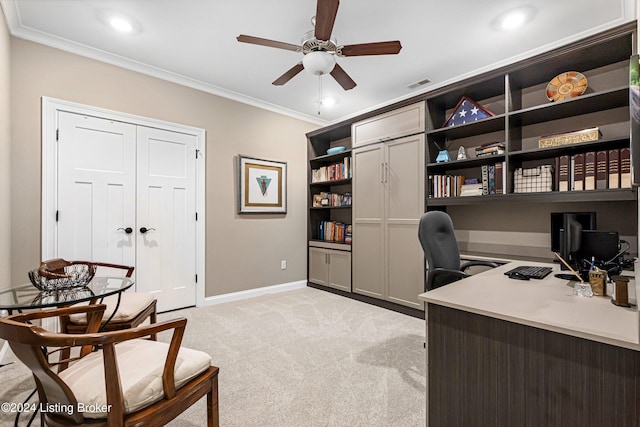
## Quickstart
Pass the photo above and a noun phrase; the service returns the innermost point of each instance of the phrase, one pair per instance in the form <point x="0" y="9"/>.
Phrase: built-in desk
<point x="504" y="352"/>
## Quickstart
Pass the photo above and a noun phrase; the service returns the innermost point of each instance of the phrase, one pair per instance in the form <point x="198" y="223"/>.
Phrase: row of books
<point x="331" y="199"/>
<point x="491" y="182"/>
<point x="332" y="231"/>
<point x="594" y="170"/>
<point x="334" y="172"/>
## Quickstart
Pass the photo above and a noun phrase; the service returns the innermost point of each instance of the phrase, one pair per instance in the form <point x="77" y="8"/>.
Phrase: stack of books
<point x="594" y="170"/>
<point x="490" y="149"/>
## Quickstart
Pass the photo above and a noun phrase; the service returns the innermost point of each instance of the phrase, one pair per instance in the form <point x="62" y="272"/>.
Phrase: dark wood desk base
<point x="488" y="372"/>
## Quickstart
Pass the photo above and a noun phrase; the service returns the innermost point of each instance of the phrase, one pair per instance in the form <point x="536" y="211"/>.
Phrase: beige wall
<point x="5" y="150"/>
<point x="242" y="252"/>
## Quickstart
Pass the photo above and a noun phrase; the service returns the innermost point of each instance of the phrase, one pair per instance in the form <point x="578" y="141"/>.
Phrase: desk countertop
<point x="547" y="304"/>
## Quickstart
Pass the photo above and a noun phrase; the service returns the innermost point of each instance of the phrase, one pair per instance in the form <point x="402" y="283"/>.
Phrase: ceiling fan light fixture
<point x="319" y="63"/>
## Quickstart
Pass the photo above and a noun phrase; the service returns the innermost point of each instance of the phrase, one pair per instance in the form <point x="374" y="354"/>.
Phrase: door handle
<point x="143" y="230"/>
<point x="127" y="230"/>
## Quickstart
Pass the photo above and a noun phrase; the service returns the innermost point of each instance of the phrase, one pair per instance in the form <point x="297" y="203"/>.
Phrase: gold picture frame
<point x="262" y="186"/>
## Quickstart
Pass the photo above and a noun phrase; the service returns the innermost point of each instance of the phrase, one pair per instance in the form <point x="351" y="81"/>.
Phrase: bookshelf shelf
<point x="543" y="197"/>
<point x="584" y="104"/>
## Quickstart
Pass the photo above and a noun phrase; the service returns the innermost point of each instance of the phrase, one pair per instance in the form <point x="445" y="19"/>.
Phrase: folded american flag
<point x="466" y="111"/>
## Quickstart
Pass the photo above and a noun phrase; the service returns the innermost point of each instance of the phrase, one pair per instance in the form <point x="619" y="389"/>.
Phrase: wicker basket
<point x="74" y="275"/>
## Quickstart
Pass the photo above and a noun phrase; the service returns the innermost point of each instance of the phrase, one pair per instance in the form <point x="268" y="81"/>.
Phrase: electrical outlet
<point x="283" y="264"/>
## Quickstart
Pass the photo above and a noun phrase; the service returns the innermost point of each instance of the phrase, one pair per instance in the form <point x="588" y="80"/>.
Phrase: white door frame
<point x="50" y="108"/>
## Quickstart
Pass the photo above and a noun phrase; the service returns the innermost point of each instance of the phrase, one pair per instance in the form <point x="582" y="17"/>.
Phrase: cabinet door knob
<point x="127" y="230"/>
<point x="143" y="230"/>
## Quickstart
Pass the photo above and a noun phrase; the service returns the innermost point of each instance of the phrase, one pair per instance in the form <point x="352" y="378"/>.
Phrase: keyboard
<point x="532" y="272"/>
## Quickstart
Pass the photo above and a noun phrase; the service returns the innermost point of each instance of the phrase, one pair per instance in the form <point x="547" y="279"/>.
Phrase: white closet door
<point x="166" y="254"/>
<point x="96" y="189"/>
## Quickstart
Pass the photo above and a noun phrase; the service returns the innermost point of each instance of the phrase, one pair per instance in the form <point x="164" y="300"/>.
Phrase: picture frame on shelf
<point x="262" y="186"/>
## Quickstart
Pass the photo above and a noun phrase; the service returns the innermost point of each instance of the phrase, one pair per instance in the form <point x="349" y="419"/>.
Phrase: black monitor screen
<point x="558" y="219"/>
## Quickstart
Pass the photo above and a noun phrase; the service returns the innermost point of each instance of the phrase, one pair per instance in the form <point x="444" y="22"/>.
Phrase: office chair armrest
<point x="468" y="264"/>
<point x="443" y="272"/>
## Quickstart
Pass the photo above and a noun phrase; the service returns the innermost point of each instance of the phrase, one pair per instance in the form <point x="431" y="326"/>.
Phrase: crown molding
<point x="17" y="29"/>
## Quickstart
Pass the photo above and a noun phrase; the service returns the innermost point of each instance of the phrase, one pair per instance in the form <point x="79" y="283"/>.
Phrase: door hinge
<point x="57" y="215"/>
<point x="196" y="278"/>
<point x="196" y="216"/>
<point x="197" y="153"/>
<point x="57" y="134"/>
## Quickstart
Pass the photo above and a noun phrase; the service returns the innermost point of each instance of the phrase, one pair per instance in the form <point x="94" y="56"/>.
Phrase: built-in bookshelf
<point x="523" y="115"/>
<point x="330" y="195"/>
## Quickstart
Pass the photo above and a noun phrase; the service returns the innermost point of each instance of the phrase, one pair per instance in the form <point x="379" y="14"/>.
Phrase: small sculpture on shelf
<point x="462" y="154"/>
<point x="443" y="153"/>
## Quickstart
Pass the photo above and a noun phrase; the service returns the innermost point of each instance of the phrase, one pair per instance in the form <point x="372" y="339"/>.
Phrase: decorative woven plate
<point x="566" y="86"/>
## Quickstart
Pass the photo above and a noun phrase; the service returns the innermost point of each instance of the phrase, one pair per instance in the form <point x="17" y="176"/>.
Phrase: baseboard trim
<point x="252" y="293"/>
<point x="409" y="311"/>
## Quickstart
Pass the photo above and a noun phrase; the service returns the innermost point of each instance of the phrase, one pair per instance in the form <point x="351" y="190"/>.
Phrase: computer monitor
<point x="566" y="234"/>
<point x="586" y="219"/>
<point x="601" y="246"/>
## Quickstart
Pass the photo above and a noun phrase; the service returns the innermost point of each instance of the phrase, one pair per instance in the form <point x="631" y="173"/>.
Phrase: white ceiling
<point x="193" y="42"/>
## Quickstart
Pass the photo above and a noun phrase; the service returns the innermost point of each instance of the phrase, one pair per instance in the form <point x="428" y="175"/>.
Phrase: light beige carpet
<point x="296" y="359"/>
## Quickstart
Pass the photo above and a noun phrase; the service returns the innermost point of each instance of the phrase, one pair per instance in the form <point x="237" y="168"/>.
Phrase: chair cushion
<point x="131" y="304"/>
<point x="140" y="363"/>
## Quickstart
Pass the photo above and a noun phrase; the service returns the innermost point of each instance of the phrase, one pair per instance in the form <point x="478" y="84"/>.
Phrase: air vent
<point x="418" y="84"/>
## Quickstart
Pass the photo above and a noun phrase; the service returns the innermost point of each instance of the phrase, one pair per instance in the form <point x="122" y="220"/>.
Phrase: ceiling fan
<point x="320" y="49"/>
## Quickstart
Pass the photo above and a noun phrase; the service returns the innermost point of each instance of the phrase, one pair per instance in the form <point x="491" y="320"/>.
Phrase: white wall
<point x="242" y="252"/>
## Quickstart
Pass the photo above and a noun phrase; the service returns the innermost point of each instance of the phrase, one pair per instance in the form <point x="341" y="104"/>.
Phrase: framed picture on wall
<point x="262" y="186"/>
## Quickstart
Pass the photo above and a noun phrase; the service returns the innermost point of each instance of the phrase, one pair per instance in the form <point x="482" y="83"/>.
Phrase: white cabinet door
<point x="404" y="206"/>
<point x="368" y="221"/>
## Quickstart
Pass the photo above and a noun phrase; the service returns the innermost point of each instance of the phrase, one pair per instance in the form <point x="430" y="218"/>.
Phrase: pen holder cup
<point x="598" y="282"/>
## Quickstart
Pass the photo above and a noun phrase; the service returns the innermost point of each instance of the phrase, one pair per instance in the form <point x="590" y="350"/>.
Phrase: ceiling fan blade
<point x="379" y="48"/>
<point x="291" y="73"/>
<point x="342" y="78"/>
<point x="326" y="12"/>
<point x="270" y="43"/>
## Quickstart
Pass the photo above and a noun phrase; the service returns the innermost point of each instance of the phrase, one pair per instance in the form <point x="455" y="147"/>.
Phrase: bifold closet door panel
<point x="96" y="189"/>
<point x="166" y="216"/>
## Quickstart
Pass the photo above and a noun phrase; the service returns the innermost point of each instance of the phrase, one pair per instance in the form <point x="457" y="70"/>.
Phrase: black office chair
<point x="441" y="251"/>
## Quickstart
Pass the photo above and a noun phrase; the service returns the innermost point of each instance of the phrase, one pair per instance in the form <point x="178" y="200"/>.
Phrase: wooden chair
<point x="127" y="381"/>
<point x="133" y="308"/>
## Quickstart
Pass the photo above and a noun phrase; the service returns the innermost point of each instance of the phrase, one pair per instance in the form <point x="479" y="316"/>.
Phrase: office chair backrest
<point x="439" y="241"/>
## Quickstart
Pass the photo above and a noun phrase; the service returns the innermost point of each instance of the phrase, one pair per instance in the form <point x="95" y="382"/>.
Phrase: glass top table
<point x="28" y="297"/>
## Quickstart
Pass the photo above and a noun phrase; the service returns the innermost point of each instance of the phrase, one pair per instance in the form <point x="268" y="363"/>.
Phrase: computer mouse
<point x="518" y="276"/>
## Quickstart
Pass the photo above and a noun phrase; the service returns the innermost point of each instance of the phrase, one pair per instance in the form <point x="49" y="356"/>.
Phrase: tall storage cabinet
<point x="388" y="192"/>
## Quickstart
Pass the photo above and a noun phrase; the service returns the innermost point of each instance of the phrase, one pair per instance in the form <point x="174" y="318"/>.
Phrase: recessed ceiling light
<point x="514" y="18"/>
<point x="121" y="25"/>
<point x="118" y="21"/>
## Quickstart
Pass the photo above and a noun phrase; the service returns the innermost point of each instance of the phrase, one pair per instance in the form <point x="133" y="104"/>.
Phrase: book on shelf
<point x="578" y="168"/>
<point x="500" y="177"/>
<point x="492" y="179"/>
<point x="471" y="190"/>
<point x="625" y="167"/>
<point x="590" y="170"/>
<point x="602" y="175"/>
<point x="563" y="173"/>
<point x="485" y="179"/>
<point x="614" y="168"/>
